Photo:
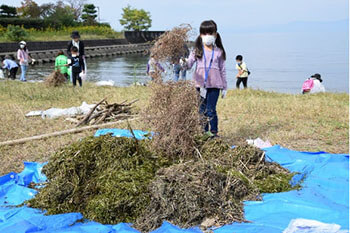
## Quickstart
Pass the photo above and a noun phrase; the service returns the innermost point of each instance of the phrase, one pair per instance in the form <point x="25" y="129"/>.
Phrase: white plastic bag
<point x="105" y="83"/>
<point x="58" y="112"/>
<point x="300" y="225"/>
<point x="2" y="76"/>
<point x="259" y="143"/>
<point x="82" y="75"/>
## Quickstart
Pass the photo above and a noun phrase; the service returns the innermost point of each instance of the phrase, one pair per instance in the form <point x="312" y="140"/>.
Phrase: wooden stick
<point x="89" y="114"/>
<point x="60" y="133"/>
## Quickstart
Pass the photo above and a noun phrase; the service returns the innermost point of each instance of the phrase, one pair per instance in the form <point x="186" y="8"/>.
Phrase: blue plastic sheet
<point x="324" y="197"/>
<point x="139" y="134"/>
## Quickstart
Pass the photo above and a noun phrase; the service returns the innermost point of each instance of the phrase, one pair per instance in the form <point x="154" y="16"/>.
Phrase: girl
<point x="23" y="57"/>
<point x="210" y="74"/>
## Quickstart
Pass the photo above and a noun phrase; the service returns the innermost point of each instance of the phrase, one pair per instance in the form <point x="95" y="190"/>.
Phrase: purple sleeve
<point x="222" y="67"/>
<point x="160" y="67"/>
<point x="191" y="60"/>
<point x="147" y="68"/>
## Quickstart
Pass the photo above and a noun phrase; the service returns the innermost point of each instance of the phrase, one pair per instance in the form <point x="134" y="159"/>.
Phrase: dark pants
<point x="13" y="72"/>
<point x="242" y="80"/>
<point x="75" y="77"/>
<point x="207" y="109"/>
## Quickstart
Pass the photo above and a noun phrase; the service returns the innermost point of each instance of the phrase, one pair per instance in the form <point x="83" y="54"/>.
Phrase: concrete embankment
<point x="46" y="51"/>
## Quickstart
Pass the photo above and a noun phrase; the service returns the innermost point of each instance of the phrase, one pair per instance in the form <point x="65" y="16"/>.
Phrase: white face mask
<point x="22" y="46"/>
<point x="208" y="39"/>
<point x="74" y="55"/>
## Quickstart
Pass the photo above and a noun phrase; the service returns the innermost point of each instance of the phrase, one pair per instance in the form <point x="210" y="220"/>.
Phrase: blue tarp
<point x="139" y="134"/>
<point x="324" y="197"/>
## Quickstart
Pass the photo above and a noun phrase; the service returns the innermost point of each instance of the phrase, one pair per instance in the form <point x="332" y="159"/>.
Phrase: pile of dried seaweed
<point x="55" y="79"/>
<point x="105" y="178"/>
<point x="113" y="180"/>
<point x="209" y="191"/>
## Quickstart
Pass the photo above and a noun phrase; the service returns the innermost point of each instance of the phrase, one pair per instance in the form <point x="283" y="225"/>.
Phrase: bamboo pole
<point x="60" y="133"/>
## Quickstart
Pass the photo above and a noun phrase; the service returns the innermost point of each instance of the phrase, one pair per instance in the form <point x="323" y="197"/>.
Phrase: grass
<point x="300" y="122"/>
<point x="50" y="34"/>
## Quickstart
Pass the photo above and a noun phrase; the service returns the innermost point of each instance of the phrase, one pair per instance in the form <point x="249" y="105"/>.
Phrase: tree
<point x="8" y="11"/>
<point x="29" y="9"/>
<point x="135" y="19"/>
<point x="63" y="14"/>
<point x="89" y="14"/>
<point x="77" y="6"/>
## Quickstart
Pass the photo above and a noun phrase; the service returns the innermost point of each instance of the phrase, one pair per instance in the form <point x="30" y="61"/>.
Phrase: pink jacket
<point x="23" y="56"/>
<point x="217" y="73"/>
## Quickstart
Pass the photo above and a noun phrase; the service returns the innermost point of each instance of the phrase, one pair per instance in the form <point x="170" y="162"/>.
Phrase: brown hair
<point x="60" y="53"/>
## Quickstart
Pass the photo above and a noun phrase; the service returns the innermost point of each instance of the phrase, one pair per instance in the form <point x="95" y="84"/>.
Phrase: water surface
<point x="278" y="61"/>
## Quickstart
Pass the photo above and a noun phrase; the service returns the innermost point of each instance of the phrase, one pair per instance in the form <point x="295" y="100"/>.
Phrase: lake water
<point x="278" y="61"/>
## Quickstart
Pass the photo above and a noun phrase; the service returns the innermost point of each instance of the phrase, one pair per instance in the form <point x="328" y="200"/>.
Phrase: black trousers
<point x="13" y="72"/>
<point x="242" y="80"/>
<point x="75" y="77"/>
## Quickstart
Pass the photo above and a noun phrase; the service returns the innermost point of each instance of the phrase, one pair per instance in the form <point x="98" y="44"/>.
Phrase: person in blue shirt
<point x="10" y="65"/>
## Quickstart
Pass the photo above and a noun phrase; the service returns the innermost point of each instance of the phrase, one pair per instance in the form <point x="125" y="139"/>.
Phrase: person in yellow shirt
<point x="243" y="72"/>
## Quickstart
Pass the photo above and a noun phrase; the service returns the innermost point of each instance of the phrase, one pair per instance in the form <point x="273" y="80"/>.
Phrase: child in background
<point x="10" y="65"/>
<point x="154" y="69"/>
<point x="313" y="85"/>
<point x="210" y="74"/>
<point x="61" y="64"/>
<point x="78" y="66"/>
<point x="243" y="72"/>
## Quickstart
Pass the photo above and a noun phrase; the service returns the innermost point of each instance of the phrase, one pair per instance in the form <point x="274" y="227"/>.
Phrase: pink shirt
<point x="217" y="73"/>
<point x="23" y="56"/>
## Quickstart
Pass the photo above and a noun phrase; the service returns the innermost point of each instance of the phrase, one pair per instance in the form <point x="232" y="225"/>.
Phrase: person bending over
<point x="11" y="66"/>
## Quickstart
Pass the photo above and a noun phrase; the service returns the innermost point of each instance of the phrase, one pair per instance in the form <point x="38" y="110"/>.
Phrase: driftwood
<point x="60" y="133"/>
<point x="90" y="112"/>
<point x="103" y="112"/>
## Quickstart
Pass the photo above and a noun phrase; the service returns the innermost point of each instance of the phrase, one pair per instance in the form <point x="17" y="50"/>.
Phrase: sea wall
<point x="46" y="51"/>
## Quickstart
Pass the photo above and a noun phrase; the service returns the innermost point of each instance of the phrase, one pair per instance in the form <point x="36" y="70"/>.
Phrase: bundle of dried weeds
<point x="171" y="45"/>
<point x="173" y="115"/>
<point x="55" y="79"/>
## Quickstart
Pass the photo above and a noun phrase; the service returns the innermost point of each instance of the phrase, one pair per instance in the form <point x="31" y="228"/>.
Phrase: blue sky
<point x="229" y="14"/>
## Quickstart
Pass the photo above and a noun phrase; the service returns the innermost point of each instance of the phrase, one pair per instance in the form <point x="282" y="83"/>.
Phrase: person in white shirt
<point x="243" y="72"/>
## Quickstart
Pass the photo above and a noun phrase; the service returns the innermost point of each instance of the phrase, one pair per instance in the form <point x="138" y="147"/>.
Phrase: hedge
<point x="30" y="23"/>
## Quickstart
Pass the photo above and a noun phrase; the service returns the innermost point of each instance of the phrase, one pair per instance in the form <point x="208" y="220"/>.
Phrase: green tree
<point x="135" y="19"/>
<point x="63" y="14"/>
<point x="77" y="6"/>
<point x="8" y="11"/>
<point x="89" y="14"/>
<point x="29" y="9"/>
